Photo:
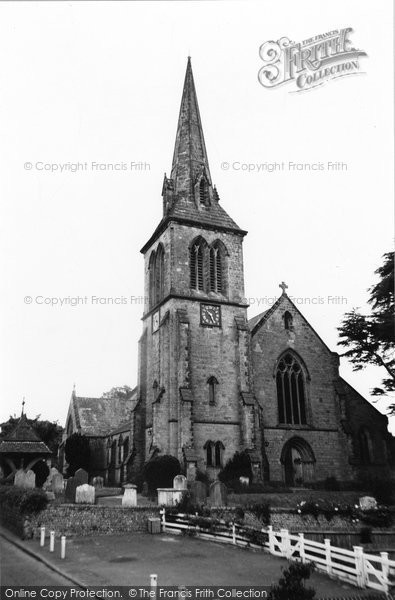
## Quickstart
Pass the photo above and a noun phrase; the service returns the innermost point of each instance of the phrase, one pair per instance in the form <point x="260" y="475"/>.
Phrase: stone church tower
<point x="195" y="397"/>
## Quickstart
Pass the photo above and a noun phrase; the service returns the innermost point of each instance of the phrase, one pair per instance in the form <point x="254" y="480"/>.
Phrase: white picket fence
<point x="354" y="566"/>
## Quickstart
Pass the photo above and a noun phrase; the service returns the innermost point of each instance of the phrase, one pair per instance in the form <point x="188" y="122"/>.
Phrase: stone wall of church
<point x="361" y="415"/>
<point x="323" y="431"/>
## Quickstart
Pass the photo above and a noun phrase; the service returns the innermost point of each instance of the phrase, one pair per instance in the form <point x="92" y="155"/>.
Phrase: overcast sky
<point x="101" y="82"/>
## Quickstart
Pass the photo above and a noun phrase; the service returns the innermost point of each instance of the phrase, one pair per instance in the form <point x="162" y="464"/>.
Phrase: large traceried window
<point x="291" y="391"/>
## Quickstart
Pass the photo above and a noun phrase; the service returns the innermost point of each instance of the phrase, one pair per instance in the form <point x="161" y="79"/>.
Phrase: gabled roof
<point x="256" y="322"/>
<point x="23" y="439"/>
<point x="100" y="416"/>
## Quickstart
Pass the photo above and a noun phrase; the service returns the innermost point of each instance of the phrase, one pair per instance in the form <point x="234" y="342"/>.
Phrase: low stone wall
<point x="77" y="520"/>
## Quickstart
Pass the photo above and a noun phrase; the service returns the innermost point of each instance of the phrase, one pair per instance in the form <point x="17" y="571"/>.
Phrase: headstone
<point x="71" y="486"/>
<point x="218" y="494"/>
<point x="367" y="503"/>
<point x="244" y="481"/>
<point x="98" y="482"/>
<point x="180" y="482"/>
<point x="57" y="483"/>
<point x="169" y="496"/>
<point x="81" y="476"/>
<point x="50" y="495"/>
<point x="198" y="492"/>
<point x="25" y="479"/>
<point x="129" y="497"/>
<point x="85" y="494"/>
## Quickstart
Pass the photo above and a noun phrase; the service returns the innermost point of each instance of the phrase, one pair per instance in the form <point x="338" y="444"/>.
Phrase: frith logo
<point x="309" y="63"/>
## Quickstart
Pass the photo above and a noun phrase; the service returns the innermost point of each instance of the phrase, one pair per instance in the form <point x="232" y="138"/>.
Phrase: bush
<point x="77" y="453"/>
<point x="237" y="466"/>
<point x="160" y="472"/>
<point x="261" y="511"/>
<point x="203" y="477"/>
<point x="24" y="501"/>
<point x="292" y="584"/>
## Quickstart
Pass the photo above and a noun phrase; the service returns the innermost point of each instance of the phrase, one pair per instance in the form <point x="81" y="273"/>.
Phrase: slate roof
<point x="100" y="416"/>
<point x="15" y="447"/>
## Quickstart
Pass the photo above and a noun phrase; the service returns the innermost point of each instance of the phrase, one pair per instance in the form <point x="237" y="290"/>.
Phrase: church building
<point x="210" y="381"/>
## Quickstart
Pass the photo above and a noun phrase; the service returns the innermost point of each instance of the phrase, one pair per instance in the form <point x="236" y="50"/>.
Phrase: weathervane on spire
<point x="283" y="286"/>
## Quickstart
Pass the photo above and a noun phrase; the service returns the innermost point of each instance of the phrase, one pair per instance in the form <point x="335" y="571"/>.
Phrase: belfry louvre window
<point x="196" y="266"/>
<point x="215" y="270"/>
<point x="291" y="392"/>
<point x="203" y="192"/>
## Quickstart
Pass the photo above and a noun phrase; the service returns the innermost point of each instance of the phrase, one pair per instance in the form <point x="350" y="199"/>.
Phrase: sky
<point x="99" y="83"/>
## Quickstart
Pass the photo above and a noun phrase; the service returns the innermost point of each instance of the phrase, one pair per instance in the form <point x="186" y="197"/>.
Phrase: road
<point x="18" y="568"/>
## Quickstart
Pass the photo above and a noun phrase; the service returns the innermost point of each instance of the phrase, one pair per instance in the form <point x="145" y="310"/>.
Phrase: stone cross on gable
<point x="283" y="286"/>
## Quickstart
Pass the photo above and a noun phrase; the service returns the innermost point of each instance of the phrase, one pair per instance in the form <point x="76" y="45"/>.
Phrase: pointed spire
<point x="23" y="405"/>
<point x="190" y="160"/>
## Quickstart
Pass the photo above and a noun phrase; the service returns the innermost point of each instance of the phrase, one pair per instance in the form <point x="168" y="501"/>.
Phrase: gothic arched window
<point x="196" y="262"/>
<point x="219" y="447"/>
<point x="212" y="383"/>
<point x="204" y="192"/>
<point x="291" y="391"/>
<point x="151" y="269"/>
<point x="159" y="273"/>
<point x="214" y="451"/>
<point x="288" y="320"/>
<point x="208" y="446"/>
<point x="215" y="269"/>
<point x="365" y="446"/>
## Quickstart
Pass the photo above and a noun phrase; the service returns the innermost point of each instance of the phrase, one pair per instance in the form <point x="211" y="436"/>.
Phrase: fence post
<point x="234" y="533"/>
<point x="271" y="539"/>
<point x="301" y="548"/>
<point x="285" y="541"/>
<point x="328" y="556"/>
<point x="385" y="570"/>
<point x="42" y="536"/>
<point x="154" y="584"/>
<point x="163" y="515"/>
<point x="51" y="541"/>
<point x="359" y="566"/>
<point x="63" y="546"/>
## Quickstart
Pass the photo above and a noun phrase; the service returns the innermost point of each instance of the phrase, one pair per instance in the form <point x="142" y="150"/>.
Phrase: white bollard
<point x="153" y="582"/>
<point x="42" y="536"/>
<point x="51" y="541"/>
<point x="63" y="546"/>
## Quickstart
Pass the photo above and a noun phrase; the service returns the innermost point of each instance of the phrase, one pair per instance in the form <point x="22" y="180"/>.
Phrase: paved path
<point x="129" y="560"/>
<point x="18" y="568"/>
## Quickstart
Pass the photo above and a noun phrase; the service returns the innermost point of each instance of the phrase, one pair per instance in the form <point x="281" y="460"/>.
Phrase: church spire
<point x="190" y="162"/>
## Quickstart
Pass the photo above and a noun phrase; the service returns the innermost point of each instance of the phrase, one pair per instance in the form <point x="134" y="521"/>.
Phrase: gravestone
<point x="244" y="481"/>
<point x="218" y="494"/>
<point x="129" y="497"/>
<point x="25" y="479"/>
<point x="71" y="486"/>
<point x="198" y="492"/>
<point x="85" y="494"/>
<point x="98" y="482"/>
<point x="81" y="476"/>
<point x="180" y="482"/>
<point x="57" y="485"/>
<point x="367" y="503"/>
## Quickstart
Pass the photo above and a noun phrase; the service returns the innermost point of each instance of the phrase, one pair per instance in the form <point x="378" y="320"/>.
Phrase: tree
<point x="237" y="466"/>
<point x="370" y="339"/>
<point x="77" y="453"/>
<point x="123" y="391"/>
<point x="49" y="432"/>
<point x="160" y="472"/>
